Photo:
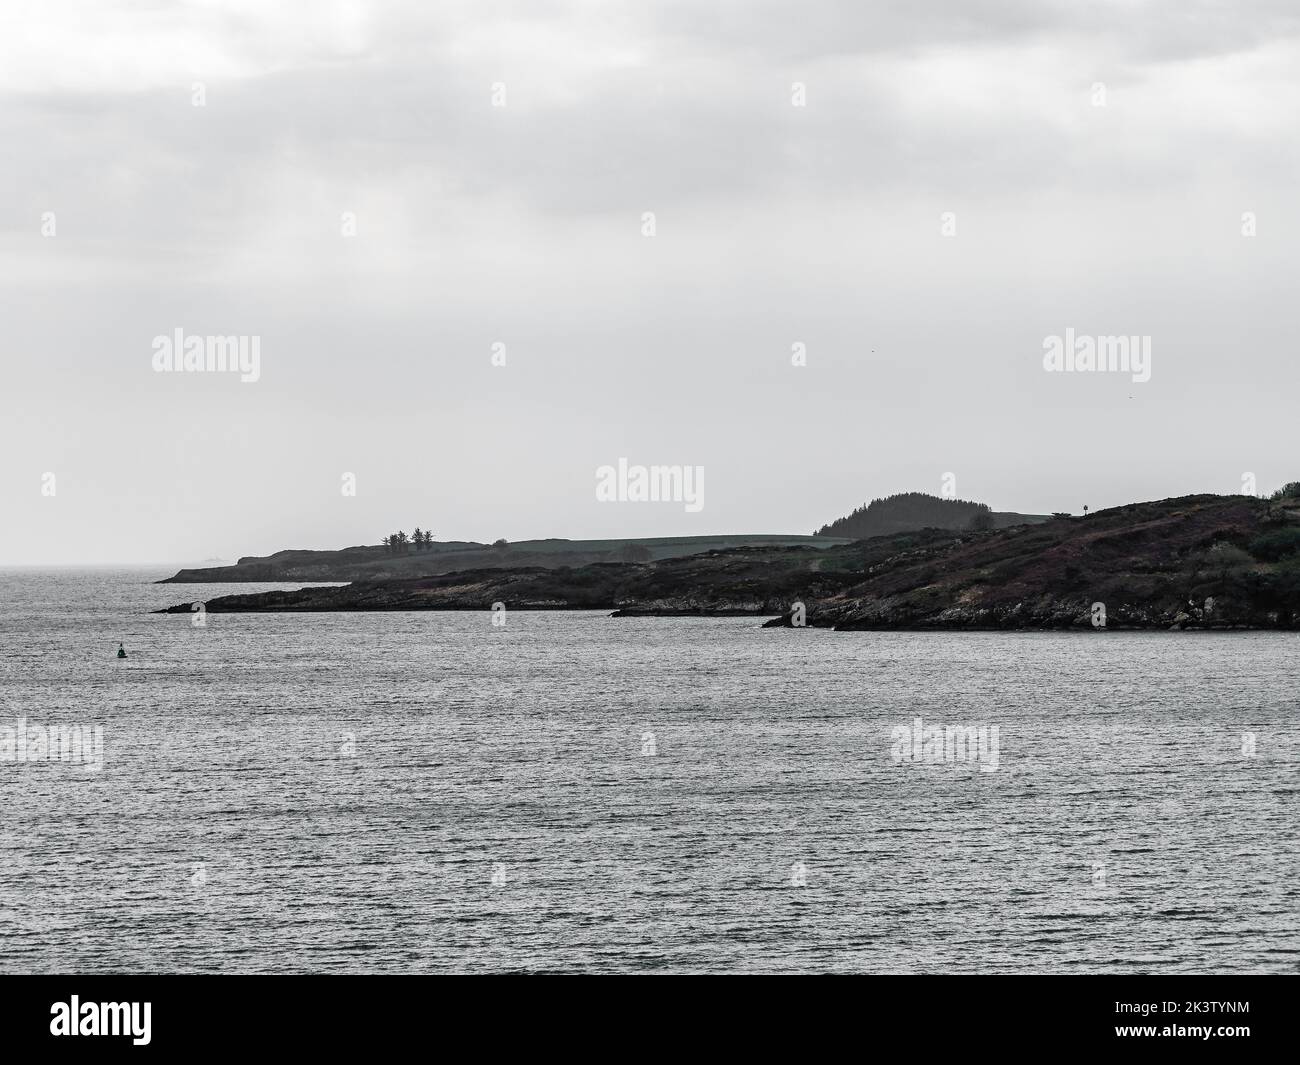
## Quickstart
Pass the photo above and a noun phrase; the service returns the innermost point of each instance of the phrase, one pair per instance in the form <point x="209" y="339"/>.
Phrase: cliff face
<point x="1195" y="562"/>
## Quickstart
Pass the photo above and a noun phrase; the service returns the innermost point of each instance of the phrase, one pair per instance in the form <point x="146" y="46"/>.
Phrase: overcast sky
<point x="522" y="224"/>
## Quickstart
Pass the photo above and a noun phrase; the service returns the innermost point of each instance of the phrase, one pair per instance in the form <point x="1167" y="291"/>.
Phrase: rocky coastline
<point x="1192" y="563"/>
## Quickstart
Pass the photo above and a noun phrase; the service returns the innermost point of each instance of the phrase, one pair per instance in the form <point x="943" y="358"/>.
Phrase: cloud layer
<point x="522" y="224"/>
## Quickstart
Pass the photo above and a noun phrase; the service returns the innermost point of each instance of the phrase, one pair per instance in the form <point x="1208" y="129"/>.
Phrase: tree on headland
<point x="417" y="538"/>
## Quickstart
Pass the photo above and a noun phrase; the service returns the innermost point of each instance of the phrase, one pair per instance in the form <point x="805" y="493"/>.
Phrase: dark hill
<point x="908" y="511"/>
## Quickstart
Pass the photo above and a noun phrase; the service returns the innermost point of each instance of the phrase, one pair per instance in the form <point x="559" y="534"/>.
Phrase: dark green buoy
<point x="121" y="651"/>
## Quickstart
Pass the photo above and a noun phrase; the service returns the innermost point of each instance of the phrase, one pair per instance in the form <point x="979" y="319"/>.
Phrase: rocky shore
<point x="1196" y="562"/>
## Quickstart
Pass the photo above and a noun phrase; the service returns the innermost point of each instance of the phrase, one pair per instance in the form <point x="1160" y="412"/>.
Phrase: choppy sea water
<point x="423" y="792"/>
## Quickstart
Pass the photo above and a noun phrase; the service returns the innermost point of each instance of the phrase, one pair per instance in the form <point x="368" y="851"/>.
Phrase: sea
<point x="416" y="792"/>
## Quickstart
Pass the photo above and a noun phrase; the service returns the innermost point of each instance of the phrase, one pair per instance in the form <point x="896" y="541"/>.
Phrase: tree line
<point x="400" y="544"/>
<point x="908" y="511"/>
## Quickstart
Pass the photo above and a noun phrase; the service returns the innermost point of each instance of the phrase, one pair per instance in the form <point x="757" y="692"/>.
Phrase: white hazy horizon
<point x="127" y="212"/>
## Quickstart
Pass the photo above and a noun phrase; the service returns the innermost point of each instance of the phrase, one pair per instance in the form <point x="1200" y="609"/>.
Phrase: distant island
<point x="1194" y="562"/>
<point x="402" y="556"/>
<point x="396" y="559"/>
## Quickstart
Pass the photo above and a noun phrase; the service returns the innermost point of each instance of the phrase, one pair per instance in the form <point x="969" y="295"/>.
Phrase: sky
<point x="816" y="249"/>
